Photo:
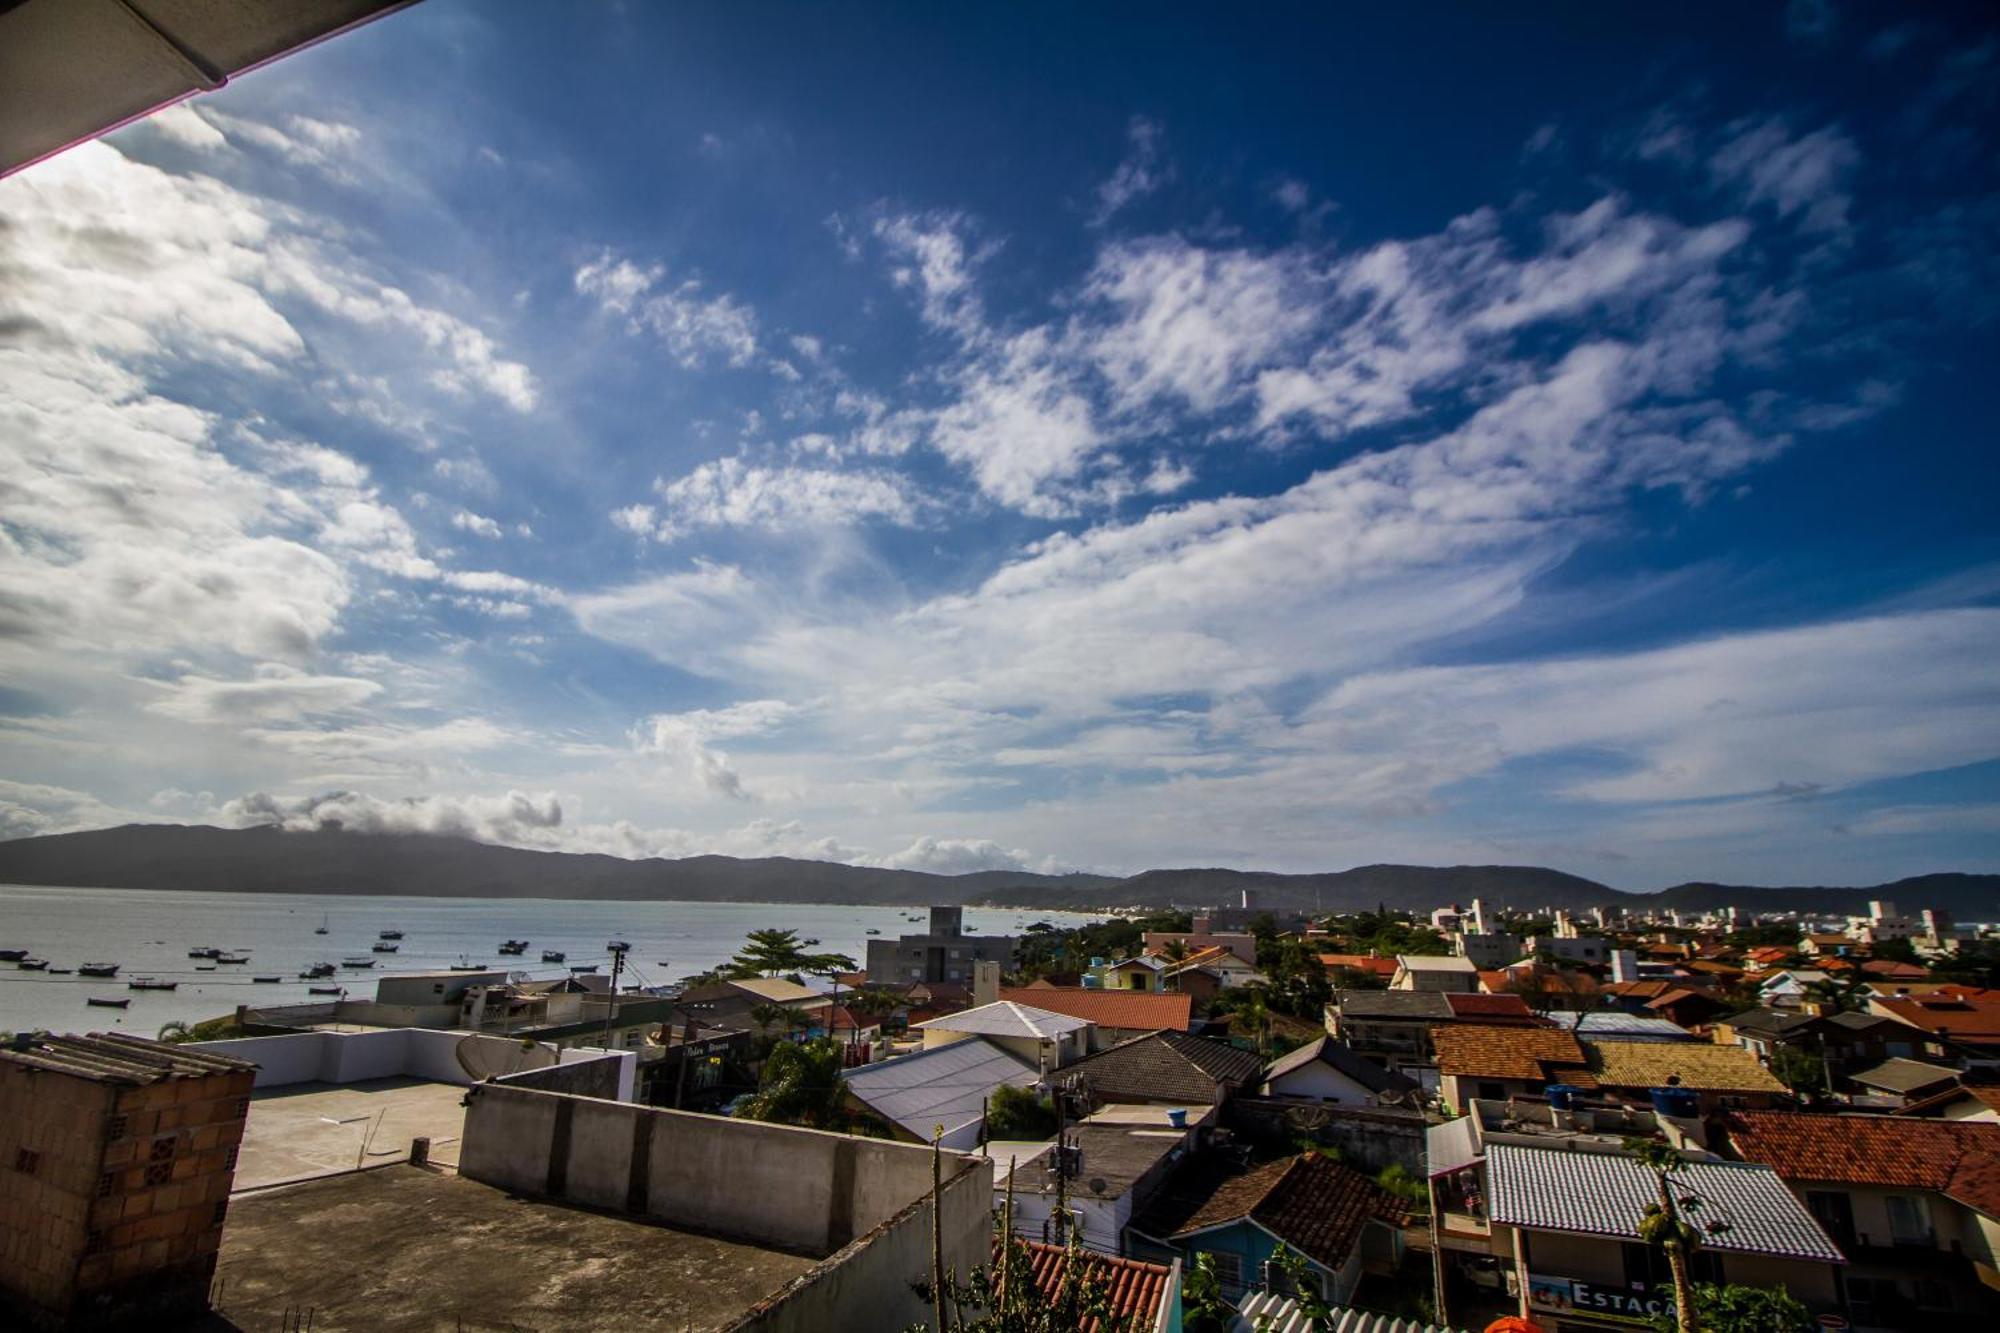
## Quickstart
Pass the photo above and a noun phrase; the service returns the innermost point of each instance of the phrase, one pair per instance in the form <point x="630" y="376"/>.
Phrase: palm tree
<point x="1665" y="1223"/>
<point x="175" y="1031"/>
<point x="1256" y="1016"/>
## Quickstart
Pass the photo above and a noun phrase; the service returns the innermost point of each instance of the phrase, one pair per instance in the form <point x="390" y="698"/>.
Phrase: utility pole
<point x="611" y="1008"/>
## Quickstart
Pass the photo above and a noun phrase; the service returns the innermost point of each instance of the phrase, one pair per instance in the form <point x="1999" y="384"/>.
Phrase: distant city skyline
<point x="1037" y="439"/>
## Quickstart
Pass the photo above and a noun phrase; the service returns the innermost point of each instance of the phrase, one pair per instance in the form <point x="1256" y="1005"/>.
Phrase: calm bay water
<point x="148" y="933"/>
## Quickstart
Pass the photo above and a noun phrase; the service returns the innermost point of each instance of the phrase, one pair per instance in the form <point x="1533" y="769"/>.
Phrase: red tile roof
<point x="1480" y="1051"/>
<point x="1897" y="971"/>
<point x="1359" y="962"/>
<point x="1956" y="1017"/>
<point x="1949" y="1156"/>
<point x="1508" y="1010"/>
<point x="1137" y="1010"/>
<point x="1133" y="1290"/>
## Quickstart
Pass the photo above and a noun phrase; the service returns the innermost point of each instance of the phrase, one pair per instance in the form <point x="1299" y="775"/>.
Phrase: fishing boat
<point x="616" y="945"/>
<point x="267" y="981"/>
<point x="241" y="957"/>
<point x="61" y="971"/>
<point x="873" y="931"/>
<point x="12" y="955"/>
<point x="205" y="951"/>
<point x="34" y="964"/>
<point x="98" y="969"/>
<point x="462" y="966"/>
<point x="107" y="1002"/>
<point x="357" y="962"/>
<point x="389" y="935"/>
<point x="326" y="990"/>
<point x="553" y="955"/>
<point x="204" y="967"/>
<point x="151" y="983"/>
<point x="380" y="947"/>
<point x="320" y="929"/>
<point x="316" y="971"/>
<point x="514" y="948"/>
<point x="581" y="968"/>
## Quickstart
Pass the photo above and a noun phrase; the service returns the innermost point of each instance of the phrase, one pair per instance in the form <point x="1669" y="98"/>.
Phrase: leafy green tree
<point x="1799" y="1069"/>
<point x="1733" y="1308"/>
<point x="1843" y="994"/>
<point x="209" y="1029"/>
<point x="1203" y="1308"/>
<point x="773" y="953"/>
<point x="801" y="1086"/>
<point x="1017" y="1113"/>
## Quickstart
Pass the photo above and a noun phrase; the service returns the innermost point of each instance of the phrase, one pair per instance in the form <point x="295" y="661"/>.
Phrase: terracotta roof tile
<point x="1111" y="1008"/>
<point x="1949" y="1156"/>
<point x="1483" y="1051"/>
<point x="1975" y="1019"/>
<point x="1133" y="1289"/>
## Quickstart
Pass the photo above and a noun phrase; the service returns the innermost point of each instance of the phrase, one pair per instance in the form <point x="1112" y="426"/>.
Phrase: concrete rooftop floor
<point x="304" y="1130"/>
<point x="405" y="1248"/>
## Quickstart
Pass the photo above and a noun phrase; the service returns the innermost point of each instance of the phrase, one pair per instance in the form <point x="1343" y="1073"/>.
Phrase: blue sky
<point x="1044" y="438"/>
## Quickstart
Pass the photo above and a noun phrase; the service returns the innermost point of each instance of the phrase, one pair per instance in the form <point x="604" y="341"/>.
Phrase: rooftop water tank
<point x="1562" y="1096"/>
<point x="1680" y="1102"/>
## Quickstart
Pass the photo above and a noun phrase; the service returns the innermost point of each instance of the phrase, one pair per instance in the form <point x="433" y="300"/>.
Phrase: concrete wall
<point x="771" y="1184"/>
<point x="867" y="1284"/>
<point x="350" y="1057"/>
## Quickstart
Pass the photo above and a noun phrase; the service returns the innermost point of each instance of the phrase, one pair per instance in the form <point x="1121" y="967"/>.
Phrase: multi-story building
<point x="942" y="953"/>
<point x="116" y="1160"/>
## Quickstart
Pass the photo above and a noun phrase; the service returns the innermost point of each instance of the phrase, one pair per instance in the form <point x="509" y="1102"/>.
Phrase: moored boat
<point x="583" y="967"/>
<point x="553" y="955"/>
<point x="514" y="948"/>
<point x="616" y="945"/>
<point x="326" y="990"/>
<point x="151" y="983"/>
<point x="267" y="981"/>
<point x="316" y="971"/>
<point x="98" y="969"/>
<point x="389" y="935"/>
<point x="380" y="947"/>
<point x="357" y="962"/>
<point x="12" y="955"/>
<point x="33" y="964"/>
<point x="107" y="1002"/>
<point x="242" y="956"/>
<point x="205" y="951"/>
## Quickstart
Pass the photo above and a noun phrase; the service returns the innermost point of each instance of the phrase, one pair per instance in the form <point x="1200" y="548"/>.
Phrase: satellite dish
<point x="485" y="1057"/>
<point x="1097" y="1185"/>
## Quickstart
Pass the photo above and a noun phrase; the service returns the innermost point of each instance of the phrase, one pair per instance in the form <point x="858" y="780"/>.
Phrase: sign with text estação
<point x="1600" y="1302"/>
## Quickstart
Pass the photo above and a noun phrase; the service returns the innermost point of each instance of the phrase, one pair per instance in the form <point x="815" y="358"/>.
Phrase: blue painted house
<point x="1341" y="1222"/>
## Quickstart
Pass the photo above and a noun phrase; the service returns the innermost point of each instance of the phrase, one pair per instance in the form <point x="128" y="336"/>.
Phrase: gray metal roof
<point x="1005" y="1018"/>
<point x="1625" y="1027"/>
<point x="1268" y="1312"/>
<point x="1606" y="1194"/>
<point x="946" y="1085"/>
<point x="1897" y="1074"/>
<point x="1338" y="1056"/>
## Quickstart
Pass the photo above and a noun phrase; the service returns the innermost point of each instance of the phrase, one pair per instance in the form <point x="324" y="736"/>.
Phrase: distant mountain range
<point x="266" y="860"/>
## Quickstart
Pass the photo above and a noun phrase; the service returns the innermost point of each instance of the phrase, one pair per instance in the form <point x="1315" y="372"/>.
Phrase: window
<point x="159" y="1173"/>
<point x="1228" y="1270"/>
<point x="1909" y="1222"/>
<point x="1492" y="1092"/>
<point x="26" y="1160"/>
<point x="163" y="1149"/>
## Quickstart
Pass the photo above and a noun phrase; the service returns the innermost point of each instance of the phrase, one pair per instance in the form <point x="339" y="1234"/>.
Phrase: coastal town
<point x="1230" y="1119"/>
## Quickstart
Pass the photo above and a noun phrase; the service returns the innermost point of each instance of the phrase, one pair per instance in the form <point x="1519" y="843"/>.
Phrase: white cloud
<point x="1141" y="173"/>
<point x="956" y="856"/>
<point x="1804" y="174"/>
<point x="728" y="492"/>
<point x="695" y="328"/>
<point x="187" y="127"/>
<point x="275" y="693"/>
<point x="477" y="524"/>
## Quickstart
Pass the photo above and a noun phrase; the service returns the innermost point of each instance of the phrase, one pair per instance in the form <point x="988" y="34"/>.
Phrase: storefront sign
<point x="1613" y="1304"/>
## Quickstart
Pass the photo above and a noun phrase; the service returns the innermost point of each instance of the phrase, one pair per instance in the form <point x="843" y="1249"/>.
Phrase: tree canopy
<point x="774" y="953"/>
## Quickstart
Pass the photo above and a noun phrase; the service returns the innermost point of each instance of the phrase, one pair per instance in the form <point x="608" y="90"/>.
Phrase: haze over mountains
<point x="268" y="860"/>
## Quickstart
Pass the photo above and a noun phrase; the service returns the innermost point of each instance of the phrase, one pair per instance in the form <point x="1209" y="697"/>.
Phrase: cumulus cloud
<point x="733" y="493"/>
<point x="477" y="524"/>
<point x="695" y="328"/>
<point x="956" y="856"/>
